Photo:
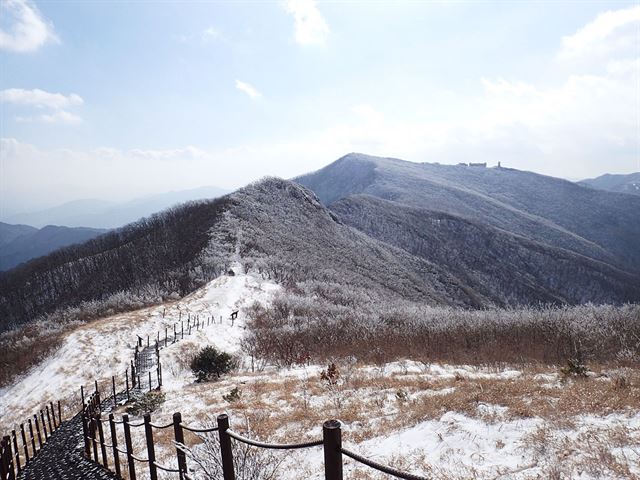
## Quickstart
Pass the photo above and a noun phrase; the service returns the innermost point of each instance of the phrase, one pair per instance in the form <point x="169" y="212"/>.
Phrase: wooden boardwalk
<point x="61" y="458"/>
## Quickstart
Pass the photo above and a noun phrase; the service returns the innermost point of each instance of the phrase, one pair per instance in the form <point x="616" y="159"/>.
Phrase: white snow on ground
<point x="104" y="347"/>
<point x="491" y="444"/>
<point x="456" y="446"/>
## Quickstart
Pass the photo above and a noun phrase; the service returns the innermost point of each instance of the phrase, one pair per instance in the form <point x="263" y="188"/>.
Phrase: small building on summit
<point x="483" y="164"/>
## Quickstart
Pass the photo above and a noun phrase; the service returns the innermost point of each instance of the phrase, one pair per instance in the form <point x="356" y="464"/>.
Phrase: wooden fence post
<point x="332" y="443"/>
<point x="33" y="439"/>
<point x="126" y="378"/>
<point x="94" y="440"/>
<point x="149" y="380"/>
<point x="49" y="419"/>
<point x="8" y="458"/>
<point x="53" y="416"/>
<point x="114" y="444"/>
<point x="179" y="437"/>
<point x="44" y="426"/>
<point x="165" y="336"/>
<point x="127" y="442"/>
<point x="24" y="443"/>
<point x="133" y="375"/>
<point x="16" y="453"/>
<point x="4" y="464"/>
<point x="103" y="446"/>
<point x="151" y="453"/>
<point x="85" y="434"/>
<point x="113" y="385"/>
<point x="226" y="451"/>
<point x="59" y="413"/>
<point x="182" y="329"/>
<point x="35" y="417"/>
<point x="12" y="475"/>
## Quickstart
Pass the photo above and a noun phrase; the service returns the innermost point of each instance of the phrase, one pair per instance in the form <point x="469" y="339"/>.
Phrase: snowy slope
<point x="103" y="348"/>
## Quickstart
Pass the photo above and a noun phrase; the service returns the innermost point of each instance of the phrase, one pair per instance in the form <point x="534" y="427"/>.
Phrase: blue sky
<point x="119" y="99"/>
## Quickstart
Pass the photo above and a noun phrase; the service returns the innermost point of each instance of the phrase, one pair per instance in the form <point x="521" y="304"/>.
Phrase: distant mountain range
<point x="629" y="183"/>
<point x="19" y="243"/>
<point x="510" y="236"/>
<point x="381" y="229"/>
<point x="104" y="214"/>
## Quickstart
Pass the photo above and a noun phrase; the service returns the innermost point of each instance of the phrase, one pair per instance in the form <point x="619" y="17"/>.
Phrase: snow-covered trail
<point x="104" y="347"/>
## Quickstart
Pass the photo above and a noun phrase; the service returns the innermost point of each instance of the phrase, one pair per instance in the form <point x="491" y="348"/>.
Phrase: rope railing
<point x="138" y="459"/>
<point x="331" y="442"/>
<point x="23" y="443"/>
<point x="135" y="424"/>
<point x="166" y="469"/>
<point x="380" y="467"/>
<point x="199" y="430"/>
<point x="162" y="427"/>
<point x="273" y="446"/>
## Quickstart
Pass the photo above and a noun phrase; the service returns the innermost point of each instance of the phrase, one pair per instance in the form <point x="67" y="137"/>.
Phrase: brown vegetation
<point x="319" y="324"/>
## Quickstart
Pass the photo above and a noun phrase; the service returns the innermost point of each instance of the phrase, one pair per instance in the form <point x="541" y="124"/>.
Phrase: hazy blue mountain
<point x="621" y="183"/>
<point x="601" y="225"/>
<point x="8" y="233"/>
<point x="102" y="214"/>
<point x="35" y="242"/>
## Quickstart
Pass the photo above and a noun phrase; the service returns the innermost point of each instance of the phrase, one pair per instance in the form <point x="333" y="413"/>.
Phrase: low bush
<point x="574" y="368"/>
<point x="147" y="403"/>
<point x="233" y="396"/>
<point x="210" y="363"/>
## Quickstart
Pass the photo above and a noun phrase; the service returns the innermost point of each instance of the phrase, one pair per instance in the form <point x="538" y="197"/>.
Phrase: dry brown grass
<point x="289" y="408"/>
<point x="25" y="347"/>
<point x="379" y="403"/>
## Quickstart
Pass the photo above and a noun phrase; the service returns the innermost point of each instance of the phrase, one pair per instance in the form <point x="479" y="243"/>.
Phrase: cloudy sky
<point x="116" y="100"/>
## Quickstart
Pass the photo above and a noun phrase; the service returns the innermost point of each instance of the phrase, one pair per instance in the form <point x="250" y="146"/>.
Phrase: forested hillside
<point x="158" y="257"/>
<point x="507" y="268"/>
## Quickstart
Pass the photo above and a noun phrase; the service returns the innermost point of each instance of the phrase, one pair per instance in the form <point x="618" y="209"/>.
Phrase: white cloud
<point x="58" y="117"/>
<point x="57" y="103"/>
<point x="248" y="89"/>
<point x="211" y="33"/>
<point x="39" y="98"/>
<point x="24" y="30"/>
<point x="611" y="31"/>
<point x="186" y="153"/>
<point x="310" y="26"/>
